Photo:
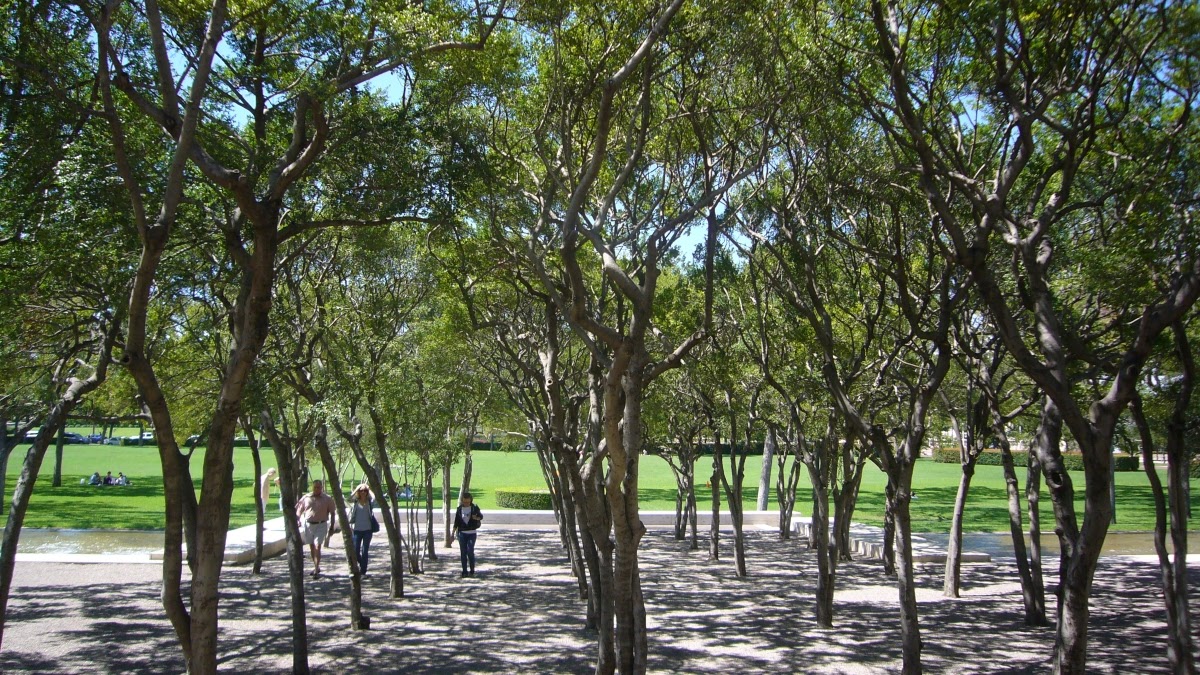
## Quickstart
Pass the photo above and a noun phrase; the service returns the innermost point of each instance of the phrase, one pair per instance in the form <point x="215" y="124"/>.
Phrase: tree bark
<point x="56" y="481"/>
<point x="764" y="477"/>
<point x="288" y="480"/>
<point x="1033" y="594"/>
<point x="334" y="483"/>
<point x="714" y="527"/>
<point x="259" y="506"/>
<point x="1170" y="514"/>
<point x="953" y="577"/>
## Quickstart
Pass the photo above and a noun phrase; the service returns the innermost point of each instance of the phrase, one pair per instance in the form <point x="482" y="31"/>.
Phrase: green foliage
<point x="514" y="498"/>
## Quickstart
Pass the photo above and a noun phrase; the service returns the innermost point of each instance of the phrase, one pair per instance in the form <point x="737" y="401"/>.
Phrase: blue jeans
<point x="362" y="542"/>
<point x="466" y="550"/>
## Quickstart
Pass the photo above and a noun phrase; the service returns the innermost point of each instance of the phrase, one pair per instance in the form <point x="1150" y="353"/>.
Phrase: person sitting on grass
<point x="109" y="480"/>
<point x="95" y="479"/>
<point x="122" y="480"/>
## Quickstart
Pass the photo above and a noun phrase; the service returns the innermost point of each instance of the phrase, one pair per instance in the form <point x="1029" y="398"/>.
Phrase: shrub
<point x="1126" y="463"/>
<point x="524" y="498"/>
<point x="1194" y="472"/>
<point x="1073" y="461"/>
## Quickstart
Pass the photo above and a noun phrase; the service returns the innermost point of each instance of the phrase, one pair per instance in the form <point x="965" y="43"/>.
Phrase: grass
<point x="140" y="506"/>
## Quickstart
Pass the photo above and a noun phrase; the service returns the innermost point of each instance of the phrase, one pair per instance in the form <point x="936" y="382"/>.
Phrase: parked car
<point x="112" y="441"/>
<point x="95" y="438"/>
<point x="30" y="435"/>
<point x="72" y="437"/>
<point x="145" y="438"/>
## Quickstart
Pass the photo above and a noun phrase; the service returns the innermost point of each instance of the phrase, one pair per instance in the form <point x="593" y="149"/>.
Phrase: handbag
<point x="374" y="523"/>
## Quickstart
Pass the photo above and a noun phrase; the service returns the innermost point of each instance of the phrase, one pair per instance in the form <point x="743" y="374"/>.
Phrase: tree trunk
<point x="259" y="506"/>
<point x="5" y="454"/>
<point x="889" y="526"/>
<point x="826" y="558"/>
<point x="20" y="505"/>
<point x="785" y="490"/>
<point x="714" y="528"/>
<point x="623" y="439"/>
<point x="764" y="478"/>
<point x="295" y="545"/>
<point x="910" y="631"/>
<point x="385" y="489"/>
<point x="33" y="462"/>
<point x="847" y="497"/>
<point x="1033" y="595"/>
<point x="1033" y="490"/>
<point x="335" y="490"/>
<point x="1172" y="563"/>
<point x="953" y="577"/>
<point x="430" y="548"/>
<point x="468" y="469"/>
<point x="447" y="524"/>
<point x="56" y="481"/>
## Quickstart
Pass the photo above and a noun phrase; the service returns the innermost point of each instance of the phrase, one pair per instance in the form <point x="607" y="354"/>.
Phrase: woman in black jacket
<point x="467" y="519"/>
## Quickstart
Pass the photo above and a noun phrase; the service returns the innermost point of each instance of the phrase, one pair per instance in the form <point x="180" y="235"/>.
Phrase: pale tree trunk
<point x="468" y="469"/>
<point x="764" y="477"/>
<point x="288" y="480"/>
<point x="56" y="481"/>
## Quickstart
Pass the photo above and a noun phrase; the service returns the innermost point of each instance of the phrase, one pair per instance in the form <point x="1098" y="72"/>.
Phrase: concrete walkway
<point x="525" y="616"/>
<point x="866" y="541"/>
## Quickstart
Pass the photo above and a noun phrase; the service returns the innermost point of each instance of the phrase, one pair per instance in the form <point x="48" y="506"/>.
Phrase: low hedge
<point x="517" y="498"/>
<point x="1073" y="461"/>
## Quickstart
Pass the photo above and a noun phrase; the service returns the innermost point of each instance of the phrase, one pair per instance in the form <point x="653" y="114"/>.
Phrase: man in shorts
<point x="315" y="511"/>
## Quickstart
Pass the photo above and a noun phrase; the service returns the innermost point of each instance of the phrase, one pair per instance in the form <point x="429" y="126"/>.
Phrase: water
<point x="999" y="545"/>
<point x="62" y="542"/>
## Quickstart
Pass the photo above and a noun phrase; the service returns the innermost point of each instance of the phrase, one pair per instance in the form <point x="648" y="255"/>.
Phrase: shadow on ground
<point x="522" y="614"/>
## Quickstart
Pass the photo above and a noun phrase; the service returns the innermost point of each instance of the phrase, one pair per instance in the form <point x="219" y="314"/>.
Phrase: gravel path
<point x="524" y="610"/>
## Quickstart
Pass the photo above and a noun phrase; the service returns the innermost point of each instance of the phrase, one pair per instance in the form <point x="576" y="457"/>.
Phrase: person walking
<point x="362" y="524"/>
<point x="314" y="511"/>
<point x="467" y="519"/>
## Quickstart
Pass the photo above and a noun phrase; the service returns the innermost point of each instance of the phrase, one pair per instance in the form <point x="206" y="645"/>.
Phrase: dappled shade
<point x="106" y="618"/>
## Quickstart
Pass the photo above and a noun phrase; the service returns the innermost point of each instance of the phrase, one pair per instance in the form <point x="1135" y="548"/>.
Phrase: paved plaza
<point x="525" y="616"/>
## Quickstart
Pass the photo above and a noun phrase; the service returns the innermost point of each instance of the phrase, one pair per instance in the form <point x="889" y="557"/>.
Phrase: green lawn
<point x="140" y="506"/>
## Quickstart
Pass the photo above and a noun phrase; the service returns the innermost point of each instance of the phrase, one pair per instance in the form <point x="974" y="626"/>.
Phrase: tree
<point x="279" y="67"/>
<point x="1057" y="110"/>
